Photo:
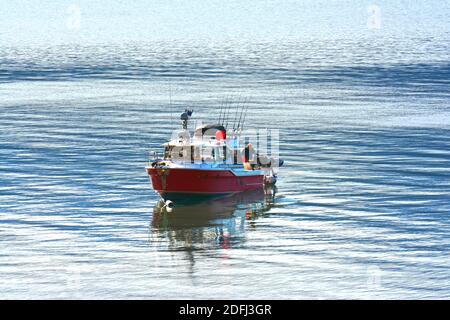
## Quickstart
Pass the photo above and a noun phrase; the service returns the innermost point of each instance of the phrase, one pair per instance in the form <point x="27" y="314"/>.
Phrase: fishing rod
<point x="245" y="116"/>
<point x="224" y="109"/>
<point x="170" y="103"/>
<point x="240" y="118"/>
<point x="235" y="115"/>
<point x="222" y="119"/>
<point x="220" y="114"/>
<point x="230" y="113"/>
<point x="242" y="107"/>
<point x="227" y="113"/>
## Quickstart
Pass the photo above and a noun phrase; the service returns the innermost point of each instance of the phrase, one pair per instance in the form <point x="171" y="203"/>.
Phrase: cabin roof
<point x="196" y="143"/>
<point x="202" y="129"/>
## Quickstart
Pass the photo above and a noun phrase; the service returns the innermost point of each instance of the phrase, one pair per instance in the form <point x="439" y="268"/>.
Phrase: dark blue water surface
<point x="362" y="208"/>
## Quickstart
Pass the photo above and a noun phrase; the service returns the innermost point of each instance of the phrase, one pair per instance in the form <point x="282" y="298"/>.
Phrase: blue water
<point x="362" y="206"/>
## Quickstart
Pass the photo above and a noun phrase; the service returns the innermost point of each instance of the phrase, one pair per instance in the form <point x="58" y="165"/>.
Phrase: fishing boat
<point x="211" y="161"/>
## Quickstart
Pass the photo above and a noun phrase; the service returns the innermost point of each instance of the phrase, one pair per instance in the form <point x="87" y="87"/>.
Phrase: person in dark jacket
<point x="247" y="156"/>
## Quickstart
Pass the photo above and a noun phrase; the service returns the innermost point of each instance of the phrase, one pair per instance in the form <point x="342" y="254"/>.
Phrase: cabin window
<point x="221" y="153"/>
<point x="182" y="154"/>
<point x="168" y="152"/>
<point x="197" y="154"/>
<point x="208" y="154"/>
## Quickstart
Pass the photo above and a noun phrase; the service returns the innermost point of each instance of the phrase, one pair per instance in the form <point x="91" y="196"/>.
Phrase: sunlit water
<point x="361" y="208"/>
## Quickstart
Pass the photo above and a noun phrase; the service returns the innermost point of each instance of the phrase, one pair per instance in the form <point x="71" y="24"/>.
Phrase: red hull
<point x="192" y="181"/>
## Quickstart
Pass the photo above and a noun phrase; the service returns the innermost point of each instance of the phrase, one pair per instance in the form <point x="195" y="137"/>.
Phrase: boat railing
<point x="153" y="156"/>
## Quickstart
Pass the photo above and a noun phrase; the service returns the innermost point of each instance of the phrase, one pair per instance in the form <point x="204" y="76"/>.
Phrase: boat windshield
<point x="168" y="152"/>
<point x="196" y="153"/>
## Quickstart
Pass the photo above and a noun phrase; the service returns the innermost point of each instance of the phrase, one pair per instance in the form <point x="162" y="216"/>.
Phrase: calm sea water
<point x="361" y="209"/>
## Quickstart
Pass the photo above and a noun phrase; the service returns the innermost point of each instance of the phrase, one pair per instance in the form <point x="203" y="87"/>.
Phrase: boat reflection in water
<point x="200" y="223"/>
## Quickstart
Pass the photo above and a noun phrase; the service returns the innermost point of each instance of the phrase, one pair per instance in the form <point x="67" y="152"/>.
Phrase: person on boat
<point x="247" y="156"/>
<point x="233" y="149"/>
